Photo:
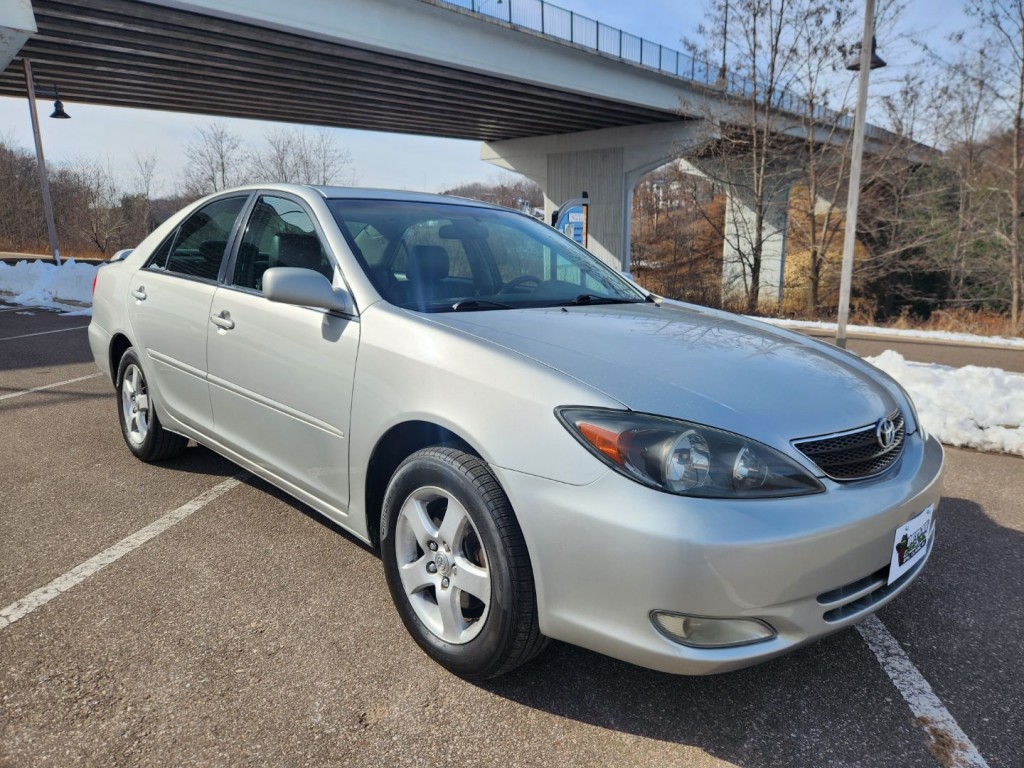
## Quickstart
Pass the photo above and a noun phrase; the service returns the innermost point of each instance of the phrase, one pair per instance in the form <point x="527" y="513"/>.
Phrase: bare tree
<point x="137" y="204"/>
<point x="87" y="201"/>
<point x="814" y="222"/>
<point x="144" y="174"/>
<point x="782" y="52"/>
<point x="960" y="117"/>
<point x="1004" y="21"/>
<point x="509" y="189"/>
<point x="674" y="252"/>
<point x="216" y="160"/>
<point x="301" y="156"/>
<point x="320" y="159"/>
<point x="21" y="208"/>
<point x="275" y="160"/>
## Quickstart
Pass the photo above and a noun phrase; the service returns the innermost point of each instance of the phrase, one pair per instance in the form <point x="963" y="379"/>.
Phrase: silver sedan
<point x="538" y="447"/>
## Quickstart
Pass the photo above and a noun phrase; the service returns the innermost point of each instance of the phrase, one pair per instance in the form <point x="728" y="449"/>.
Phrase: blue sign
<point x="571" y="220"/>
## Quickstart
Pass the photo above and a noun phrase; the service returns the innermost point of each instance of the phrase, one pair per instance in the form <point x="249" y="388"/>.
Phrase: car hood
<point x="691" y="363"/>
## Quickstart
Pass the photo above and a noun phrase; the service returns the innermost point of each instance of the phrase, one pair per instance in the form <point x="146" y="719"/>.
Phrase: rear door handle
<point x="139" y="293"/>
<point x="223" y="320"/>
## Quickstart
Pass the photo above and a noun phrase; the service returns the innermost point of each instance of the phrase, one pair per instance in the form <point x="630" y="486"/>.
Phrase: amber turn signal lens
<point x="606" y="441"/>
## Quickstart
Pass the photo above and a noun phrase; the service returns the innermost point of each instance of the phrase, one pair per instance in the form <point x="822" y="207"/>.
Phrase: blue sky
<point x="114" y="135"/>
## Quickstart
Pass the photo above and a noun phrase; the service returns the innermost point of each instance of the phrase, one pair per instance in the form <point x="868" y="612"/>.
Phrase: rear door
<point x="169" y="309"/>
<point x="280" y="375"/>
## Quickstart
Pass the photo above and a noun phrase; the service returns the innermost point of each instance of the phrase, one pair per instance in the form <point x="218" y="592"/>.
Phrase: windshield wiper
<point x="591" y="298"/>
<point x="468" y="304"/>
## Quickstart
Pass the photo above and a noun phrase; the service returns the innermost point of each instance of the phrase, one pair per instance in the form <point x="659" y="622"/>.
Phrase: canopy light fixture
<point x="877" y="62"/>
<point x="58" y="109"/>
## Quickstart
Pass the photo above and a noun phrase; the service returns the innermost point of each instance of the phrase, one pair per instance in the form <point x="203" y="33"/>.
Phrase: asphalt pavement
<point x="253" y="632"/>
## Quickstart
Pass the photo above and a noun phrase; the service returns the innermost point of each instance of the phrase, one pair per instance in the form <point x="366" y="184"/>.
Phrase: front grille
<point x="857" y="454"/>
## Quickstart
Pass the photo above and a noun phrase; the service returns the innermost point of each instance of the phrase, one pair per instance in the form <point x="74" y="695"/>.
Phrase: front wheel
<point x="457" y="566"/>
<point x="145" y="436"/>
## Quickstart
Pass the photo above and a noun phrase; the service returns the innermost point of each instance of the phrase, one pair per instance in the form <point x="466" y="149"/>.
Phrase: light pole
<point x="44" y="180"/>
<point x="868" y="61"/>
<point x="725" y="43"/>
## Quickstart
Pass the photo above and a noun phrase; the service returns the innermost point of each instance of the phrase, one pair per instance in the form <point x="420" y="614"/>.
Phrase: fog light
<point x="702" y="632"/>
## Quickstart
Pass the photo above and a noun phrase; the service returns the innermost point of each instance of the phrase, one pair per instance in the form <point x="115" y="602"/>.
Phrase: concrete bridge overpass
<point x="557" y="96"/>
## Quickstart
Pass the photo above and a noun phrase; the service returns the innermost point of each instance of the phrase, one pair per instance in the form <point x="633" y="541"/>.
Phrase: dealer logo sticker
<point x="910" y="545"/>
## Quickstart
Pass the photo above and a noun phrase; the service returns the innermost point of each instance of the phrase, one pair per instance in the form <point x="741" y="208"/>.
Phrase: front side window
<point x="198" y="245"/>
<point x="439" y="257"/>
<point x="279" y="233"/>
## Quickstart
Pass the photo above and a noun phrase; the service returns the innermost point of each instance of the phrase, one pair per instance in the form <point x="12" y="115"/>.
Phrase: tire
<point x="457" y="566"/>
<point x="140" y="427"/>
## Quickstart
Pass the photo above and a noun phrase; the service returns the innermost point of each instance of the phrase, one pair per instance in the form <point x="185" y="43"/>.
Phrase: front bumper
<point x="607" y="554"/>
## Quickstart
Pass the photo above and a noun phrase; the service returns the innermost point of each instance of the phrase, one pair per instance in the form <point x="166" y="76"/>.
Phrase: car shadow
<point x="197" y="460"/>
<point x="963" y="623"/>
<point x="828" y="698"/>
<point x="263" y="486"/>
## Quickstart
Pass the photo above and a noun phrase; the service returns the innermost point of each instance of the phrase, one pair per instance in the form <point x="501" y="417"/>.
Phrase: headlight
<point x="684" y="458"/>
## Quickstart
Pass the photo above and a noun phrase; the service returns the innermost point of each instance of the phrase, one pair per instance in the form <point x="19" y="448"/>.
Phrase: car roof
<point x="358" y="193"/>
<point x="364" y="193"/>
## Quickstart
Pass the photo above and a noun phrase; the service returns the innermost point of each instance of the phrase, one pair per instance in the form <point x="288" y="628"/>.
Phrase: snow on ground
<point x="972" y="407"/>
<point x="43" y="284"/>
<point x="981" y="408"/>
<point x="903" y="333"/>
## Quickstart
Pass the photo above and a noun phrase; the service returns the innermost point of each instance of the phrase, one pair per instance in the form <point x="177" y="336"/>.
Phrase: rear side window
<point x="198" y="245"/>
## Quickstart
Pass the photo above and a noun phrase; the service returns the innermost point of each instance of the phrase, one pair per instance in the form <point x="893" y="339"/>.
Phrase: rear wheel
<point x="457" y="566"/>
<point x="140" y="427"/>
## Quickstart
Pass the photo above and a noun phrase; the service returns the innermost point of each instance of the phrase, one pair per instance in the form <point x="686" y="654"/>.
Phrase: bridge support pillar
<point x="740" y="229"/>
<point x="17" y="24"/>
<point x="607" y="164"/>
<point x="738" y="247"/>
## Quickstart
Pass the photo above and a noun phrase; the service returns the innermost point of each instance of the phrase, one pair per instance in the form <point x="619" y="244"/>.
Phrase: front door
<point x="280" y="375"/>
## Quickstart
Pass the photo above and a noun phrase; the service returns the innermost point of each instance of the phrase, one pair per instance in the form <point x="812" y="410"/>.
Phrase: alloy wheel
<point x="442" y="565"/>
<point x="135" y="404"/>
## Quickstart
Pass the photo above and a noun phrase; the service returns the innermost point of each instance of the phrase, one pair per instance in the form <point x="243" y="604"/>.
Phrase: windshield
<point x="440" y="257"/>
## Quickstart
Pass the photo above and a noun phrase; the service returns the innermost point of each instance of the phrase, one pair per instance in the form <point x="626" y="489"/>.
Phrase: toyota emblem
<point x="885" y="432"/>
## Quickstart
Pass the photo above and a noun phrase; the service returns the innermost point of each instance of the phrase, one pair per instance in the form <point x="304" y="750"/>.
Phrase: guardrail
<point x="567" y="26"/>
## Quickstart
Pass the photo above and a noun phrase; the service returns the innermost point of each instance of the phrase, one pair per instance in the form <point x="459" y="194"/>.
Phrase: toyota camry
<point x="538" y="447"/>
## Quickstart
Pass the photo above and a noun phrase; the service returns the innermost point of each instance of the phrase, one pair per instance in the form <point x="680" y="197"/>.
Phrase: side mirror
<point x="305" y="288"/>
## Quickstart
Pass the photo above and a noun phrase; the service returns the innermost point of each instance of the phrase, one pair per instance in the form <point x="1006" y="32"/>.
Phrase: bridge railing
<point x="568" y="26"/>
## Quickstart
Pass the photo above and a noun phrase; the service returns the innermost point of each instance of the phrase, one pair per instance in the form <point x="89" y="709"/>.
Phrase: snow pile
<point x="44" y="284"/>
<point x="974" y="407"/>
<point x="901" y="333"/>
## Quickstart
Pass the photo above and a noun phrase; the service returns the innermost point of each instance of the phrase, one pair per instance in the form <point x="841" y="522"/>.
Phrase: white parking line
<point x="947" y="737"/>
<point x="43" y="333"/>
<point x="49" y="386"/>
<point x="22" y="608"/>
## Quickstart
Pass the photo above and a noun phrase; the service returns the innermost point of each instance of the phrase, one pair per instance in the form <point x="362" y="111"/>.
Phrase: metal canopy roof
<point x="131" y="54"/>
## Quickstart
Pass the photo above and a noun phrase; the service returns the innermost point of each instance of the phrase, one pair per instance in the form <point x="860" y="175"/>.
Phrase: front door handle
<point x="139" y="293"/>
<point x="223" y="320"/>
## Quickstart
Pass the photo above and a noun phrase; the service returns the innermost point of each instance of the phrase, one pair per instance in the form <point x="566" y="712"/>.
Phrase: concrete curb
<point x="821" y="333"/>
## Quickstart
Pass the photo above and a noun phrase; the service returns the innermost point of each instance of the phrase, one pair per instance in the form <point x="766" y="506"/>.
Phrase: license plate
<point x="910" y="544"/>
